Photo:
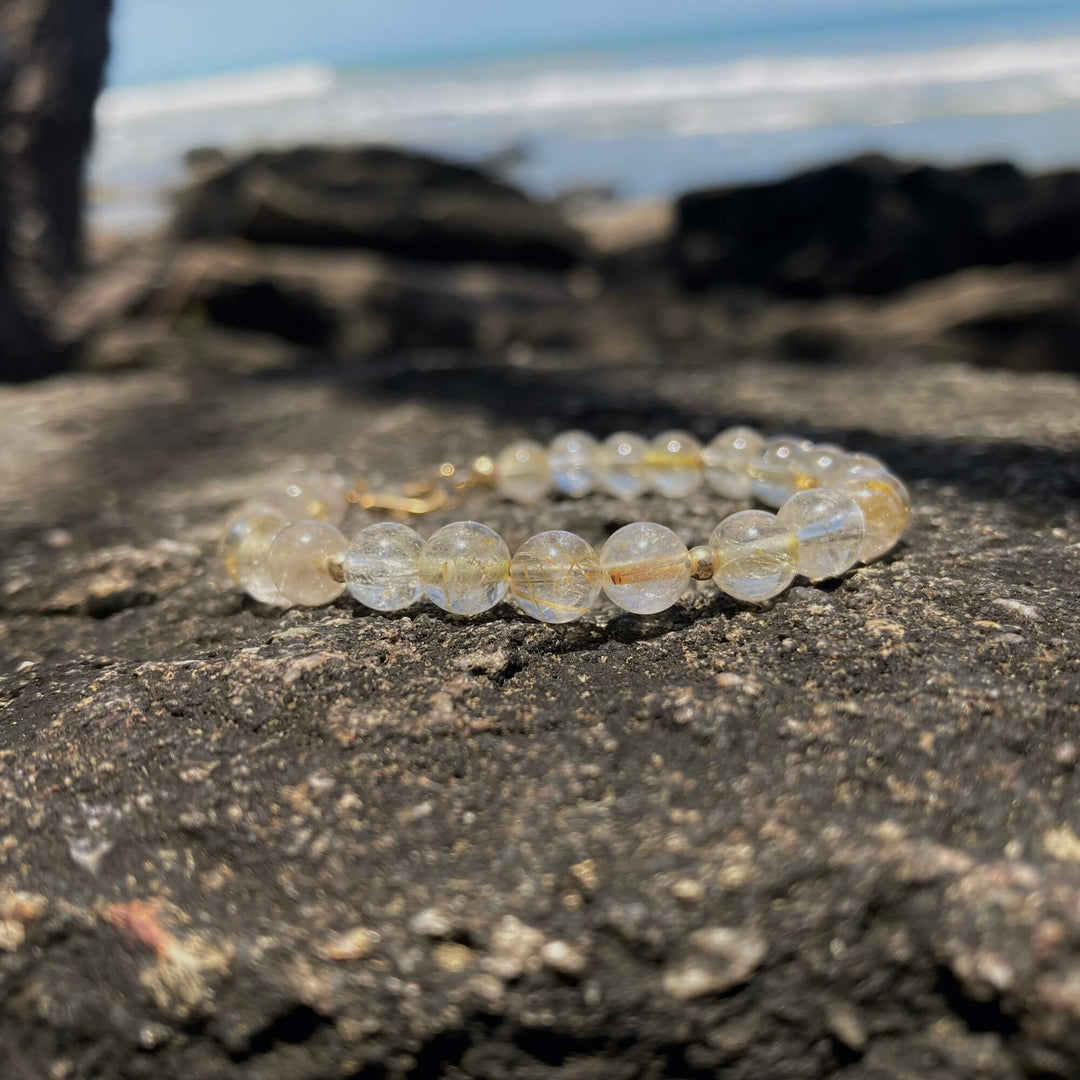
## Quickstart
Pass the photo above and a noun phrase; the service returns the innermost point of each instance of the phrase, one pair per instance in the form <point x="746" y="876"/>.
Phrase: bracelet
<point x="834" y="509"/>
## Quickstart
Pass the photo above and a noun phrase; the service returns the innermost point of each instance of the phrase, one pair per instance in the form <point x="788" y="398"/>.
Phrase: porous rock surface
<point x="838" y="836"/>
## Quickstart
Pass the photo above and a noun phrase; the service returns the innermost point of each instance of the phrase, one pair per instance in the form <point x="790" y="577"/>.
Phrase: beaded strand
<point x="834" y="509"/>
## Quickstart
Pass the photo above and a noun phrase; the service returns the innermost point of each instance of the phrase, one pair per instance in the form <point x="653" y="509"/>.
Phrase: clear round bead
<point x="380" y="566"/>
<point x="522" y="472"/>
<point x="620" y="464"/>
<point x="465" y="568"/>
<point x="247" y="550"/>
<point x="727" y="458"/>
<point x="773" y="478"/>
<point x="830" y="529"/>
<point x="886" y="508"/>
<point x="850" y="464"/>
<point x="757" y="556"/>
<point x="814" y="466"/>
<point x="674" y="464"/>
<point x="312" y="497"/>
<point x="570" y="460"/>
<point x="646" y="567"/>
<point x="301" y="562"/>
<point x="237" y="526"/>
<point x="555" y="577"/>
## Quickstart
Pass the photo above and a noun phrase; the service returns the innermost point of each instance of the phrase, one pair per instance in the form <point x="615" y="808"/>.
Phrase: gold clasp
<point x="414" y="501"/>
<point x="404" y="504"/>
<point x="445" y="491"/>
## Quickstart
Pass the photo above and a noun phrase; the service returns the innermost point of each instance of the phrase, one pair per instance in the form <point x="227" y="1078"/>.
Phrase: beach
<point x="645" y="120"/>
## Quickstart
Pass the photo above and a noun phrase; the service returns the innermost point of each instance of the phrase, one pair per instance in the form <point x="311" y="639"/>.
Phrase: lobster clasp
<point x="445" y="490"/>
<point x="414" y="501"/>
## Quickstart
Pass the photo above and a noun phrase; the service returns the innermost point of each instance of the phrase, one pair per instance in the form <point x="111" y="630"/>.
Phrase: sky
<point x="155" y="40"/>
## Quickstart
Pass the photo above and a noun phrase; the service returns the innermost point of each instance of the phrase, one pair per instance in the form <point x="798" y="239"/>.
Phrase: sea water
<point x="648" y="119"/>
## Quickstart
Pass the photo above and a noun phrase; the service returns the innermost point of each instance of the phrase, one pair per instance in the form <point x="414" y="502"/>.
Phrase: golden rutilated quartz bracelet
<point x="834" y="509"/>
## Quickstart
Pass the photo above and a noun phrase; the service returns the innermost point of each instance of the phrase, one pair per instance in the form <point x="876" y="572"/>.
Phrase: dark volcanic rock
<point x="346" y="305"/>
<point x="379" y="198"/>
<point x="288" y="307"/>
<point x="836" y="837"/>
<point x="873" y="226"/>
<point x="276" y="305"/>
<point x="52" y="61"/>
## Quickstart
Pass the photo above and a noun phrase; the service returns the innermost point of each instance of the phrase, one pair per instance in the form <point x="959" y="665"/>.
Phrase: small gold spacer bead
<point x="336" y="570"/>
<point x="702" y="563"/>
<point x="483" y="470"/>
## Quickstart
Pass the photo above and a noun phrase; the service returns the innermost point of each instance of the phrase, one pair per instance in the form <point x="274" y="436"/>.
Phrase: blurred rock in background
<point x="873" y="226"/>
<point x="350" y="255"/>
<point x="52" y="62"/>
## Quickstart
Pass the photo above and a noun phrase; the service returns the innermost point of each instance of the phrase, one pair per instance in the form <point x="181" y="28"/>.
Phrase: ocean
<point x="642" y="120"/>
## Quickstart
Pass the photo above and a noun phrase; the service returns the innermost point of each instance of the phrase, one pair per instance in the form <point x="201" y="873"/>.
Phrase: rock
<point x="52" y="62"/>
<point x="721" y="959"/>
<point x="1012" y="317"/>
<point x="872" y="226"/>
<point x="377" y="198"/>
<point x="515" y="948"/>
<point x="1005" y="317"/>
<point x="564" y="958"/>
<point x="352" y="944"/>
<point x="432" y="922"/>
<point x="861" y="778"/>
<point x="309" y="305"/>
<point x="251" y="307"/>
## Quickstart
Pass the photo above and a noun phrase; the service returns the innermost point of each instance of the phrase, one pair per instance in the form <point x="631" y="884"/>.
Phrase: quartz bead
<point x="380" y="566"/>
<point x="555" y="577"/>
<point x="302" y="560"/>
<point x="848" y="465"/>
<point x="886" y="507"/>
<point x="312" y="497"/>
<point x="674" y="464"/>
<point x="238" y="525"/>
<point x="620" y="465"/>
<point x="570" y="459"/>
<point x="247" y="546"/>
<point x="773" y="477"/>
<point x="646" y="567"/>
<point x="757" y="556"/>
<point x="522" y="472"/>
<point x="727" y="458"/>
<point x="465" y="568"/>
<point x="830" y="529"/>
<point x="813" y="467"/>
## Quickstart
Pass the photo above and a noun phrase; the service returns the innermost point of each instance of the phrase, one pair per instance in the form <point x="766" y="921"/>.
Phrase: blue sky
<point x="167" y="39"/>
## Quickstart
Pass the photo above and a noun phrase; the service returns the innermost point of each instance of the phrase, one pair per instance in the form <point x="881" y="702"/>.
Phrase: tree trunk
<point x="52" y="64"/>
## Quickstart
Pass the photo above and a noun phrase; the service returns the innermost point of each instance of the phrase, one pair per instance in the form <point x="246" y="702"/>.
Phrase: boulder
<point x="833" y="838"/>
<point x="378" y="198"/>
<point x="260" y="307"/>
<point x="872" y="226"/>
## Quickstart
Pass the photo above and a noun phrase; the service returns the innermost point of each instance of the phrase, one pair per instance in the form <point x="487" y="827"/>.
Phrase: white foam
<point x="124" y="105"/>
<point x="1054" y="65"/>
<point x="1049" y="69"/>
<point x="572" y="106"/>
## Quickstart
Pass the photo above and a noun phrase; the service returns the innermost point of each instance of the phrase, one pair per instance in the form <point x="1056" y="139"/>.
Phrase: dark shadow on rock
<point x="572" y="399"/>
